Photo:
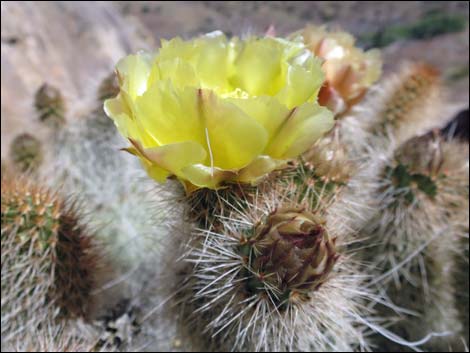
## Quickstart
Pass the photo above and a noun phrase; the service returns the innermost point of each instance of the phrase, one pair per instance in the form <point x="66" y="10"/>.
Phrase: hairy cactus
<point x="50" y="106"/>
<point x="110" y="182"/>
<point x="461" y="283"/>
<point x="406" y="104"/>
<point x="54" y="338"/>
<point x="268" y="273"/>
<point x="26" y="153"/>
<point x="327" y="166"/>
<point x="254" y="243"/>
<point x="413" y="237"/>
<point x="415" y="88"/>
<point x="262" y="260"/>
<point x="49" y="261"/>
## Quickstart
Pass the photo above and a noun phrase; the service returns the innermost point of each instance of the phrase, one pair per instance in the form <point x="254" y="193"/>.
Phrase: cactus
<point x="50" y="106"/>
<point x="112" y="184"/>
<point x="418" y="85"/>
<point x="461" y="283"/>
<point x="267" y="273"/>
<point x="26" y="153"/>
<point x="49" y="261"/>
<point x="269" y="236"/>
<point x="54" y="338"/>
<point x="414" y="235"/>
<point x="406" y="104"/>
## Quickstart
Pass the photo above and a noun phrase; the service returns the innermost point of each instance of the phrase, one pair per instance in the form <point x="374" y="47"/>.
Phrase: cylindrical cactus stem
<point x="408" y="103"/>
<point x="413" y="237"/>
<point x="267" y="275"/>
<point x="415" y="87"/>
<point x="49" y="261"/>
<point x="50" y="106"/>
<point x="26" y="153"/>
<point x="51" y="337"/>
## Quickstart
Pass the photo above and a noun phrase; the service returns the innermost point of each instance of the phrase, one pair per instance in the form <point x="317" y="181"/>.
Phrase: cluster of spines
<point x="461" y="283"/>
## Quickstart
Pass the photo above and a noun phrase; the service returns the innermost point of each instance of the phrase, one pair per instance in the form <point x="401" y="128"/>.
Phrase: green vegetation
<point x="431" y="25"/>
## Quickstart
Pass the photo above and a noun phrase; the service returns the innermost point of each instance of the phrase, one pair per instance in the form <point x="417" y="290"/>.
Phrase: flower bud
<point x="293" y="251"/>
<point x="50" y="105"/>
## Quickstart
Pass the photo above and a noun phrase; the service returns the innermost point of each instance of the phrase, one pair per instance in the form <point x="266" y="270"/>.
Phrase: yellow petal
<point x="258" y="66"/>
<point x="173" y="157"/>
<point x="209" y="56"/>
<point x="300" y="130"/>
<point x="302" y="85"/>
<point x="234" y="139"/>
<point x="258" y="168"/>
<point x="171" y="115"/>
<point x="214" y="62"/>
<point x="176" y="48"/>
<point x="133" y="72"/>
<point x="180" y="73"/>
<point x="203" y="176"/>
<point x="265" y="110"/>
<point x="153" y="170"/>
<point x="121" y="110"/>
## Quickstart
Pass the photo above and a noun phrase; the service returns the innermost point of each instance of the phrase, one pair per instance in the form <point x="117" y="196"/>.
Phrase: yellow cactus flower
<point x="349" y="70"/>
<point x="213" y="110"/>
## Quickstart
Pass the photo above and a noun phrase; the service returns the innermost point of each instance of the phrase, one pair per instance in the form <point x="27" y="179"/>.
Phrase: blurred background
<point x="75" y="45"/>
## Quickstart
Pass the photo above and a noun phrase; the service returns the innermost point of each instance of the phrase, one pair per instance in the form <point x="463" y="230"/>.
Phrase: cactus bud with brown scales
<point x="26" y="153"/>
<point x="292" y="251"/>
<point x="50" y="105"/>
